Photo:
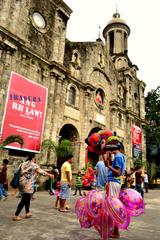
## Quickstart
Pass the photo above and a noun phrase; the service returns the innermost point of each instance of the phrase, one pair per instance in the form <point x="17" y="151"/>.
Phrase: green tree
<point x="152" y="107"/>
<point x="62" y="149"/>
<point x="49" y="146"/>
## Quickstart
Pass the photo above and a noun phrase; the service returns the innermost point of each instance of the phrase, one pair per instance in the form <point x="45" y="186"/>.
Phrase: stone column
<point x="50" y="107"/>
<point x="85" y="124"/>
<point x="118" y="41"/>
<point x="56" y="114"/>
<point x="129" y="137"/>
<point x="141" y="101"/>
<point x="113" y="119"/>
<point x="108" y="44"/>
<point x="127" y="93"/>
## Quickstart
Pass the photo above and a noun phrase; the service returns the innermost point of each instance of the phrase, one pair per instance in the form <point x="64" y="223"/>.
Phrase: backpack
<point x="15" y="180"/>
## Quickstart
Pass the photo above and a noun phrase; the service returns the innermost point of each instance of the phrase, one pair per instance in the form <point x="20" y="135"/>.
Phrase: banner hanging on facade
<point x="136" y="135"/>
<point x="24" y="112"/>
<point x="136" y="141"/>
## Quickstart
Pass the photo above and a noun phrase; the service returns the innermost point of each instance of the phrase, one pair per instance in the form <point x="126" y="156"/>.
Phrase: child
<point x="78" y="183"/>
<point x="57" y="193"/>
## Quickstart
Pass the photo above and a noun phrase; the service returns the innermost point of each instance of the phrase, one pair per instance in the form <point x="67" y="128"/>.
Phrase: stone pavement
<point x="50" y="224"/>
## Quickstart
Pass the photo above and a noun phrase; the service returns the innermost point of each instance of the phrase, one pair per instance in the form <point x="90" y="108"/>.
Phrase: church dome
<point x="116" y="22"/>
<point x="116" y="19"/>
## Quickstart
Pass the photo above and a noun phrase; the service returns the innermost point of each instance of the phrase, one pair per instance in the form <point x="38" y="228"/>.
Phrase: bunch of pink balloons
<point x="102" y="213"/>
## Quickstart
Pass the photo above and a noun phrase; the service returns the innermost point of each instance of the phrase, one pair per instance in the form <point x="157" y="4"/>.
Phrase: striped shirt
<point x="78" y="181"/>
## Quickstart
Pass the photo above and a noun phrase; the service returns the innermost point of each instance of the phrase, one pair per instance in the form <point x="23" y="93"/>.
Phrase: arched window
<point x="72" y="95"/>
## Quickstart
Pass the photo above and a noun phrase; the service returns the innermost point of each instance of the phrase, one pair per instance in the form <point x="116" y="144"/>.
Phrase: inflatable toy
<point x="94" y="202"/>
<point x="133" y="201"/>
<point x="117" y="211"/>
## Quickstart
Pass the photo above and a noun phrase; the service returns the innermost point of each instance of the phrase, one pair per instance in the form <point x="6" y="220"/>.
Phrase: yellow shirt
<point x="66" y="167"/>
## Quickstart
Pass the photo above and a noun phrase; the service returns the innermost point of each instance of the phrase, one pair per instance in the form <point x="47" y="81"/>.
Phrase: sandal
<point x="28" y="215"/>
<point x="17" y="218"/>
<point x="63" y="210"/>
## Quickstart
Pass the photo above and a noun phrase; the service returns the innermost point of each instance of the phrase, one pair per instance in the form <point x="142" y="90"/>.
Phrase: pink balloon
<point x="117" y="211"/>
<point x="132" y="200"/>
<point x="85" y="220"/>
<point x="79" y="206"/>
<point x="94" y="202"/>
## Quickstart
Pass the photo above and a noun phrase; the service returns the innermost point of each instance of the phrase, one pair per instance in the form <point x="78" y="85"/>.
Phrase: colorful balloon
<point x="80" y="205"/>
<point x="94" y="202"/>
<point x="105" y="133"/>
<point x="86" y="221"/>
<point x="91" y="149"/>
<point x="133" y="201"/>
<point x="105" y="213"/>
<point x="117" y="211"/>
<point x="94" y="139"/>
<point x="112" y="140"/>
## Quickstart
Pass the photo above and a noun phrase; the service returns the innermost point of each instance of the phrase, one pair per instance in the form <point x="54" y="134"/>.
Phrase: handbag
<point x="15" y="180"/>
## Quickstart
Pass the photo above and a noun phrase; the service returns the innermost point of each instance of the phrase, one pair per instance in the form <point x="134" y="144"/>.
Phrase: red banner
<point x="136" y="135"/>
<point x="24" y="112"/>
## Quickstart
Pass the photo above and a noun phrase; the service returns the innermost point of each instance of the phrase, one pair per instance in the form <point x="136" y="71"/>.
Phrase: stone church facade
<point x="91" y="85"/>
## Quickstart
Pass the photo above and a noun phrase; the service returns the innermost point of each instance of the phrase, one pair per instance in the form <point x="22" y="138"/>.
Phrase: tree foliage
<point x="62" y="149"/>
<point x="152" y="107"/>
<point x="48" y="145"/>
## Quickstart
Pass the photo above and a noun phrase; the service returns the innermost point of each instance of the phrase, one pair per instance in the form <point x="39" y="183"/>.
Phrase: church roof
<point x="116" y="20"/>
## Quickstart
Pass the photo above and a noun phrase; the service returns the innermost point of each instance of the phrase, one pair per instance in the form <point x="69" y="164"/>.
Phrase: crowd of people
<point x="109" y="175"/>
<point x="136" y="179"/>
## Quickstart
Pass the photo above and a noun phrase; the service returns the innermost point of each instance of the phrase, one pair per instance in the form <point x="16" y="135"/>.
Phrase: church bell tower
<point x="116" y="35"/>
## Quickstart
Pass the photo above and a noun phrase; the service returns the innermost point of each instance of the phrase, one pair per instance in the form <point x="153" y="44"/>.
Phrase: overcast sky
<point x="142" y="16"/>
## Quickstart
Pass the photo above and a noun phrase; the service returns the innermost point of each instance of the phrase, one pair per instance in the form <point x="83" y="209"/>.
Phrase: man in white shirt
<point x="146" y="182"/>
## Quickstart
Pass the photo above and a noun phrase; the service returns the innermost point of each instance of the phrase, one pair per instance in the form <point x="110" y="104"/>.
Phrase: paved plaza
<point x="50" y="224"/>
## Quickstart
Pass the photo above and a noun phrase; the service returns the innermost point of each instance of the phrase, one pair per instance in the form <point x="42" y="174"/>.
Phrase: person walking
<point x="116" y="170"/>
<point x="3" y="180"/>
<point x="66" y="181"/>
<point x="146" y="181"/>
<point x="78" y="184"/>
<point x="139" y="181"/>
<point x="28" y="171"/>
